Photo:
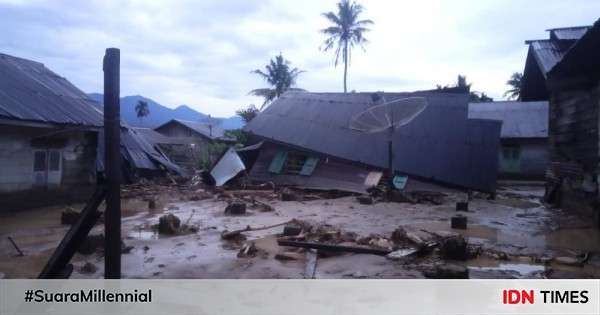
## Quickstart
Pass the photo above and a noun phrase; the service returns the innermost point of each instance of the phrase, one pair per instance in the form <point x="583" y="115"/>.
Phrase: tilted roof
<point x="519" y="119"/>
<point x="31" y="92"/>
<point x="204" y="129"/>
<point x="157" y="137"/>
<point x="440" y="144"/>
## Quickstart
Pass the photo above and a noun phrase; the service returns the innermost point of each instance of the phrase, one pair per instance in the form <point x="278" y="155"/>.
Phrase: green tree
<point x="345" y="32"/>
<point x="247" y="114"/>
<point x="142" y="110"/>
<point x="515" y="81"/>
<point x="280" y="76"/>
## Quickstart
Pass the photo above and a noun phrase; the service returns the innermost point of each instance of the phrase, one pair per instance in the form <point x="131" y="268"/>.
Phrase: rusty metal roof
<point x="31" y="92"/>
<point x="440" y="144"/>
<point x="519" y="119"/>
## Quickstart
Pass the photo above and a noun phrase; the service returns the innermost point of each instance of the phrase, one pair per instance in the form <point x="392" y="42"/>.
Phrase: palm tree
<point x="515" y="81"/>
<point x="142" y="110"/>
<point x="280" y="76"/>
<point x="346" y="32"/>
<point x="247" y="114"/>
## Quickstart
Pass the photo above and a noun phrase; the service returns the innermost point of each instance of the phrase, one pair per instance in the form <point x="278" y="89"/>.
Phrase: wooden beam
<point x="334" y="248"/>
<point x="112" y="138"/>
<point x="57" y="264"/>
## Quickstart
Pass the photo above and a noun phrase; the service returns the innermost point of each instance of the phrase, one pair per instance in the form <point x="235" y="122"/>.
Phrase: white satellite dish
<point x="389" y="116"/>
<point x="394" y="114"/>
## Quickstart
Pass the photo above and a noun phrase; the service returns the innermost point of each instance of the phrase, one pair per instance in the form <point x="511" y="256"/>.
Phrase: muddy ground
<point x="514" y="236"/>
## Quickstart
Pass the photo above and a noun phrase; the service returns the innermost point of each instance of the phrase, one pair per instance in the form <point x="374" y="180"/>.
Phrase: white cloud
<point x="201" y="53"/>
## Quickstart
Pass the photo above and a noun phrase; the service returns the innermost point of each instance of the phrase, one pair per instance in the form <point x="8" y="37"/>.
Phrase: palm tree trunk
<point x="345" y="64"/>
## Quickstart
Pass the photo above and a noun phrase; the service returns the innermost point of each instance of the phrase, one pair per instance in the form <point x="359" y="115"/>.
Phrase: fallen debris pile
<point x="170" y="224"/>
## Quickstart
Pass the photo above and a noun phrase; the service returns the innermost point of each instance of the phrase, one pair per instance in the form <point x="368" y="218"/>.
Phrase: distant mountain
<point x="160" y="114"/>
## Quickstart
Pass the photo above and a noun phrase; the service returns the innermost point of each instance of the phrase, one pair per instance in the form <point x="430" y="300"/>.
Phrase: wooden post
<point x="112" y="138"/>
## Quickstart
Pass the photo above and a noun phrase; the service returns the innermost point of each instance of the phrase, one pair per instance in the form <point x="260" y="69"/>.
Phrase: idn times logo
<point x="514" y="296"/>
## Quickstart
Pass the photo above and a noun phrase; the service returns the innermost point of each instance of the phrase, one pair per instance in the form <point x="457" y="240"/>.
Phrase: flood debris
<point x="447" y="271"/>
<point x="454" y="247"/>
<point x="569" y="261"/>
<point x="292" y="229"/>
<point x="236" y="208"/>
<point x="232" y="235"/>
<point x="69" y="216"/>
<point x="364" y="200"/>
<point x="248" y="250"/>
<point x="310" y="270"/>
<point x="458" y="222"/>
<point x="287" y="194"/>
<point x="334" y="247"/>
<point x="169" y="224"/>
<point x="403" y="253"/>
<point x="91" y="244"/>
<point x="289" y="255"/>
<point x="462" y="206"/>
<point x="88" y="268"/>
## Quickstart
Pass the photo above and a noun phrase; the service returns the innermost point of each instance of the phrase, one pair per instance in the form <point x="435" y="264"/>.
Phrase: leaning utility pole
<point x="112" y="162"/>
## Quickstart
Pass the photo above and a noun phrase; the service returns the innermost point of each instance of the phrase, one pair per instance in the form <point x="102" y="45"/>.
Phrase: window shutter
<point x="309" y="165"/>
<point x="277" y="162"/>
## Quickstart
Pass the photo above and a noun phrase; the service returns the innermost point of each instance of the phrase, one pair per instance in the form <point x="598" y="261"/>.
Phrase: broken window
<point x="39" y="161"/>
<point x="293" y="163"/>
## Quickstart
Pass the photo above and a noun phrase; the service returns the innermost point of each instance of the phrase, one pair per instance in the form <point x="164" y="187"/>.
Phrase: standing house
<point x="48" y="136"/>
<point x="308" y="142"/>
<point x="574" y="85"/>
<point x="542" y="55"/>
<point x="523" y="151"/>
<point x="201" y="142"/>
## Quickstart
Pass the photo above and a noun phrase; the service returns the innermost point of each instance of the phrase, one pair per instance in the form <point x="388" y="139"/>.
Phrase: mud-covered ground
<point x="514" y="236"/>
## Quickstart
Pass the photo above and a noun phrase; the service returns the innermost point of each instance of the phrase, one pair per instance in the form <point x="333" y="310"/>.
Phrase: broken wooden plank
<point x="55" y="267"/>
<point x="229" y="235"/>
<point x="334" y="248"/>
<point x="311" y="264"/>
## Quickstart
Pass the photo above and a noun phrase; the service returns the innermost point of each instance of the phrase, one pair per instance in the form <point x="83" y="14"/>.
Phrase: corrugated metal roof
<point x="138" y="151"/>
<point x="157" y="137"/>
<point x="440" y="144"/>
<point x="217" y="133"/>
<point x="519" y="119"/>
<point x="583" y="56"/>
<point x="547" y="53"/>
<point x="568" y="33"/>
<point x="31" y="92"/>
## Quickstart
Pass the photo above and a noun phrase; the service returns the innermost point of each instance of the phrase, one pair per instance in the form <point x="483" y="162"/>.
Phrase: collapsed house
<point x="523" y="151"/>
<point x="198" y="144"/>
<point x="141" y="159"/>
<point x="308" y="142"/>
<point x="542" y="55"/>
<point x="574" y="85"/>
<point x="48" y="136"/>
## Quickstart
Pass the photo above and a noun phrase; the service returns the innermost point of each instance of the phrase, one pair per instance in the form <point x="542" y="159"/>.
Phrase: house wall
<point x="197" y="154"/>
<point x="17" y="178"/>
<point x="531" y="161"/>
<point x="330" y="173"/>
<point x="574" y="147"/>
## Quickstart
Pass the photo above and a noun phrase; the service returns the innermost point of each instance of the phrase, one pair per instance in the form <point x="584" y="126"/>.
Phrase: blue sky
<point x="200" y="53"/>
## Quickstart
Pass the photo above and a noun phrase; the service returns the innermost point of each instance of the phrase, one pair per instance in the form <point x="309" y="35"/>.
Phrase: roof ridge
<point x="3" y="55"/>
<point x="568" y="28"/>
